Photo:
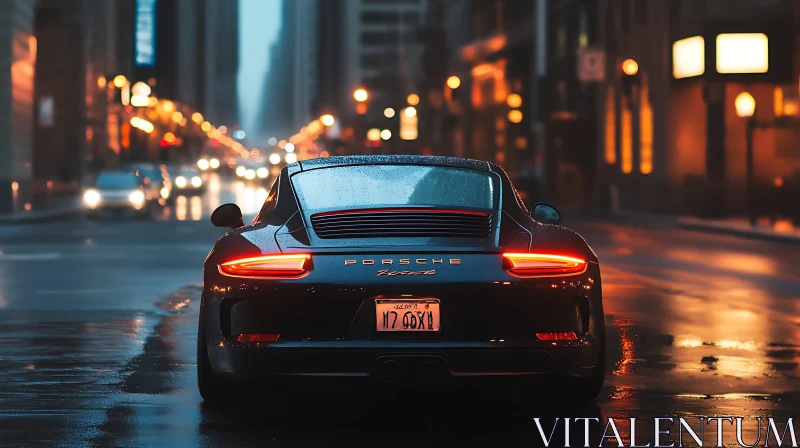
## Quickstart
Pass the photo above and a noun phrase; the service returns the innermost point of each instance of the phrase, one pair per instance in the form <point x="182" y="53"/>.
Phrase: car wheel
<point x="211" y="388"/>
<point x="581" y="390"/>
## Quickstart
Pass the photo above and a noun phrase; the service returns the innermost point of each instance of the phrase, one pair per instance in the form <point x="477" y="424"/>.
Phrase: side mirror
<point x="227" y="215"/>
<point x="546" y="214"/>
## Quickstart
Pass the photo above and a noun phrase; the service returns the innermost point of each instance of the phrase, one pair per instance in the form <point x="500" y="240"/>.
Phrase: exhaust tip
<point x="432" y="372"/>
<point x="391" y="372"/>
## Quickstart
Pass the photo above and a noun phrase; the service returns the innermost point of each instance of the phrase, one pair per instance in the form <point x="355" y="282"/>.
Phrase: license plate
<point x="407" y="314"/>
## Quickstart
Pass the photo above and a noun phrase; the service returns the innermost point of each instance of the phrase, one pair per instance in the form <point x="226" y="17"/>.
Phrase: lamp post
<point x="746" y="108"/>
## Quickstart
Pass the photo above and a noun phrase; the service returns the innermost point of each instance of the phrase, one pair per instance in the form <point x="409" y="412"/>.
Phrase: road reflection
<point x="249" y="196"/>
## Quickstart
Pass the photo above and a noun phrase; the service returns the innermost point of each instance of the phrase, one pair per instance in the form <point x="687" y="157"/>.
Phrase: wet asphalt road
<point x="98" y="327"/>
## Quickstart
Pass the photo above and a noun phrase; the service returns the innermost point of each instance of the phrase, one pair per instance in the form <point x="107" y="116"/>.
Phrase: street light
<point x="514" y="100"/>
<point x="120" y="81"/>
<point x="746" y="108"/>
<point x="413" y="99"/>
<point x="410" y="111"/>
<point x="327" y="120"/>
<point x="453" y="82"/>
<point x="630" y="67"/>
<point x="745" y="105"/>
<point x="360" y="95"/>
<point x="388" y="112"/>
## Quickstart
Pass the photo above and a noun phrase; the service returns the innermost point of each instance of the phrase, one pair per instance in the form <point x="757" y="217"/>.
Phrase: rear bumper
<point x="368" y="360"/>
<point x="488" y="329"/>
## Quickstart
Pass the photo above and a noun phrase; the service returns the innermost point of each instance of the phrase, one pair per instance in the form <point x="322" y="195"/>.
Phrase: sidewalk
<point x="68" y="208"/>
<point x="782" y="231"/>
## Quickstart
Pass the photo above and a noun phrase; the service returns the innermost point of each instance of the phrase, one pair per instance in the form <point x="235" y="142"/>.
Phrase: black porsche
<point x="399" y="269"/>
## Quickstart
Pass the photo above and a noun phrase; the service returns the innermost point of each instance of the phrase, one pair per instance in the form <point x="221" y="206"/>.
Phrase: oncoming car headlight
<point x="196" y="182"/>
<point x="137" y="198"/>
<point x="91" y="198"/>
<point x="180" y="182"/>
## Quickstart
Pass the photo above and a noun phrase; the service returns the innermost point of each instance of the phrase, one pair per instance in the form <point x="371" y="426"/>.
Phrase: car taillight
<point x="563" y="336"/>
<point x="258" y="337"/>
<point x="543" y="265"/>
<point x="288" y="265"/>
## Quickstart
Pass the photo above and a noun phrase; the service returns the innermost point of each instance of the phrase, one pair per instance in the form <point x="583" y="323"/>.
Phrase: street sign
<point x="591" y="65"/>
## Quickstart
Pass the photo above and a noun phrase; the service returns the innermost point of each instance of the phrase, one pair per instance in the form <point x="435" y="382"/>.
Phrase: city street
<point x="100" y="348"/>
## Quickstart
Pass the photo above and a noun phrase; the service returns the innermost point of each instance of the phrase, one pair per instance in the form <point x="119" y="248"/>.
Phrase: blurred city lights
<point x="745" y="105"/>
<point x="289" y="147"/>
<point x="453" y="82"/>
<point x="142" y="124"/>
<point x="203" y="164"/>
<point x="213" y="163"/>
<point x="410" y="111"/>
<point x="386" y="134"/>
<point x="250" y="174"/>
<point x="240" y="171"/>
<point x="196" y="182"/>
<point x="238" y="134"/>
<point x="360" y="95"/>
<point x="262" y="173"/>
<point x="290" y="157"/>
<point x="102" y="82"/>
<point x="514" y="116"/>
<point x="630" y="67"/>
<point x="388" y="112"/>
<point x="168" y="106"/>
<point x="169" y="137"/>
<point x="327" y="120"/>
<point x="197" y="117"/>
<point x="274" y="159"/>
<point x="413" y="99"/>
<point x="206" y="126"/>
<point x="272" y="141"/>
<point x="282" y="144"/>
<point x="120" y="81"/>
<point x="223" y="129"/>
<point x="177" y="117"/>
<point x="140" y="101"/>
<point x="514" y="100"/>
<point x="374" y="134"/>
<point x="141" y="89"/>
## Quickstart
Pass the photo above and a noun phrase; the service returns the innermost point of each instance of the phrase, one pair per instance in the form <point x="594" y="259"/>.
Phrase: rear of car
<point x="400" y="272"/>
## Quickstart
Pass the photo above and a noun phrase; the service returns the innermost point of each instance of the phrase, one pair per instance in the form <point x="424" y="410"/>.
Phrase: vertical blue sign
<point x="145" y="39"/>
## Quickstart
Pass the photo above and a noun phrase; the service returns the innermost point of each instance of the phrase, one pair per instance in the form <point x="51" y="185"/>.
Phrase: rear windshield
<point x="392" y="185"/>
<point x="117" y="180"/>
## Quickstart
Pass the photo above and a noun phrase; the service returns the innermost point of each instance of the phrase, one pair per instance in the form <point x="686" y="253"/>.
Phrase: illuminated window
<point x="742" y="53"/>
<point x="778" y="101"/>
<point x="688" y="57"/>
<point x="627" y="138"/>
<point x="645" y="130"/>
<point x="611" y="127"/>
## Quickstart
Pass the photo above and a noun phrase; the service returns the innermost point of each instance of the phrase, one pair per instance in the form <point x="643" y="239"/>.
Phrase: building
<point x="571" y="107"/>
<point x="290" y="86"/>
<point x="60" y="115"/>
<point x="17" y="62"/>
<point x="490" y="94"/>
<point x="668" y="135"/>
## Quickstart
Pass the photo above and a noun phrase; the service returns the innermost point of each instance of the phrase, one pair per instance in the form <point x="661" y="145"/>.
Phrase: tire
<point x="211" y="388"/>
<point x="582" y="390"/>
